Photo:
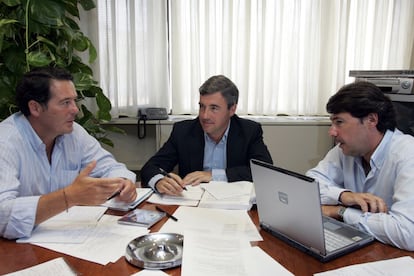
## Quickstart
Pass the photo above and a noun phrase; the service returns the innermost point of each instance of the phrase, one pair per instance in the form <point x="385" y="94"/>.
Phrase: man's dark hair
<point x="35" y="85"/>
<point x="223" y="85"/>
<point x="362" y="98"/>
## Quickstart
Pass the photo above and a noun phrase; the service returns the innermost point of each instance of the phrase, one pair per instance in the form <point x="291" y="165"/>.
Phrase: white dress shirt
<point x="391" y="178"/>
<point x="26" y="174"/>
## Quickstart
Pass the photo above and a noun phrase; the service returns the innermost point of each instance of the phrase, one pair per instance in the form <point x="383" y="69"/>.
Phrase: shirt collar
<point x="378" y="157"/>
<point x="27" y="130"/>
<point x="222" y="140"/>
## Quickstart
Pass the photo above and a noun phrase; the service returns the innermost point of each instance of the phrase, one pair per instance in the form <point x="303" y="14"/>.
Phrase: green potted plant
<point x="36" y="33"/>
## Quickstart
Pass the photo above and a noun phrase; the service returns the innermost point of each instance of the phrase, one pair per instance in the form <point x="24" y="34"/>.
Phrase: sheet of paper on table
<point x="396" y="266"/>
<point x="220" y="222"/>
<point x="74" y="226"/>
<point x="227" y="256"/>
<point x="106" y="244"/>
<point x="191" y="197"/>
<point x="53" y="267"/>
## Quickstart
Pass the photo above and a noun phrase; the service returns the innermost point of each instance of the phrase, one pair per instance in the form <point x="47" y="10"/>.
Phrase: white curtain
<point x="131" y="39"/>
<point x="285" y="56"/>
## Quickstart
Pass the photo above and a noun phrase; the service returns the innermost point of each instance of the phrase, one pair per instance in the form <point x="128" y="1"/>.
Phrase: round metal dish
<point x="156" y="251"/>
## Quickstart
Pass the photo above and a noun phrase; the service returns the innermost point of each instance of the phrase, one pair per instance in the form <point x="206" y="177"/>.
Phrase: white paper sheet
<point x="106" y="244"/>
<point x="191" y="197"/>
<point x="74" y="226"/>
<point x="206" y="254"/>
<point x="225" y="190"/>
<point x="208" y="220"/>
<point x="398" y="266"/>
<point x="259" y="263"/>
<point x="242" y="202"/>
<point x="53" y="267"/>
<point x="142" y="194"/>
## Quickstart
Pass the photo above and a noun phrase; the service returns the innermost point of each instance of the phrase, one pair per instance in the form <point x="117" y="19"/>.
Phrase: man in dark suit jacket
<point x="217" y="145"/>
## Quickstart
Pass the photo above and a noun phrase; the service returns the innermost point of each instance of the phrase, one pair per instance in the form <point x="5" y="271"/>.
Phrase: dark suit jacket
<point x="185" y="147"/>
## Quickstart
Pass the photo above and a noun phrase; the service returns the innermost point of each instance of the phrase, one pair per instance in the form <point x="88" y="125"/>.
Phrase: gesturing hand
<point x="86" y="190"/>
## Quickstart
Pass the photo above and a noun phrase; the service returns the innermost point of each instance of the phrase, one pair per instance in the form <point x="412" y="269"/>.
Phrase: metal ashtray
<point x="156" y="251"/>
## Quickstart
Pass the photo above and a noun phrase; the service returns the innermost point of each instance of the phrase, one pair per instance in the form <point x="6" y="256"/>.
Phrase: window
<point x="286" y="56"/>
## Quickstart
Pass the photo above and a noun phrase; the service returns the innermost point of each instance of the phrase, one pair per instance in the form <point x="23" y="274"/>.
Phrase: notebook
<point x="115" y="204"/>
<point x="289" y="207"/>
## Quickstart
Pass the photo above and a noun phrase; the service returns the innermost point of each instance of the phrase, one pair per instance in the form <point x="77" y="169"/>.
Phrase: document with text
<point x="397" y="266"/>
<point x="227" y="256"/>
<point x="74" y="226"/>
<point x="53" y="267"/>
<point x="208" y="220"/>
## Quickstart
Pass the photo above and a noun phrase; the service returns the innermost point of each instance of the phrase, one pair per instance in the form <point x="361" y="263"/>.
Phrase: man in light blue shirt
<point x="367" y="179"/>
<point x="49" y="163"/>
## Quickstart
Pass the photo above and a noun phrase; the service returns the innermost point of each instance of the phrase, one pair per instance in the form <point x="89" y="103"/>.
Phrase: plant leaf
<point x="114" y="129"/>
<point x="106" y="141"/>
<point x="11" y="3"/>
<point x="47" y="12"/>
<point x="92" y="52"/>
<point x="38" y="59"/>
<point x="4" y="22"/>
<point x="102" y="101"/>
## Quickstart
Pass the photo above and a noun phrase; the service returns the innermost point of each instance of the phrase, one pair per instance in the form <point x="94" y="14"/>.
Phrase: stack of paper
<point x="86" y="233"/>
<point x="235" y="195"/>
<point x="227" y="256"/>
<point x="189" y="197"/>
<point x="225" y="223"/>
<point x="74" y="226"/>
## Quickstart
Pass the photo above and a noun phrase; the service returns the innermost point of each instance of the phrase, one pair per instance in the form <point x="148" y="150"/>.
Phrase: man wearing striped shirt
<point x="49" y="163"/>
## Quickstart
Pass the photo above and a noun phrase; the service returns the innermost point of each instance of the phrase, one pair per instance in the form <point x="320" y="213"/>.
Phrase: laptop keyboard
<point x="334" y="241"/>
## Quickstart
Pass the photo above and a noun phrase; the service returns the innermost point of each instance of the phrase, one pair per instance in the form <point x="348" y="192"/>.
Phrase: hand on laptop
<point x="368" y="202"/>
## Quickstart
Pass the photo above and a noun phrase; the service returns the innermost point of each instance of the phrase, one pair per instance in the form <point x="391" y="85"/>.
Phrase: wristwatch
<point x="341" y="212"/>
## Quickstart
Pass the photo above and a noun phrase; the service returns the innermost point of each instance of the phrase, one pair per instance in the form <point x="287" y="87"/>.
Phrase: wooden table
<point x="14" y="256"/>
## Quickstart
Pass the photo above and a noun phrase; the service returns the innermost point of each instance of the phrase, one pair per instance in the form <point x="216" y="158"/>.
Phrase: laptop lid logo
<point x="283" y="197"/>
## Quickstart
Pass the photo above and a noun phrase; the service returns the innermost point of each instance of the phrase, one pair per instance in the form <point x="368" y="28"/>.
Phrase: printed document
<point x="227" y="256"/>
<point x="106" y="244"/>
<point x="191" y="197"/>
<point x="220" y="222"/>
<point x="53" y="267"/>
<point x="397" y="266"/>
<point x="73" y="226"/>
<point x="224" y="190"/>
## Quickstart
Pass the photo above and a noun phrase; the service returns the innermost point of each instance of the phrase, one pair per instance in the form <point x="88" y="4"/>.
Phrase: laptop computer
<point x="289" y="207"/>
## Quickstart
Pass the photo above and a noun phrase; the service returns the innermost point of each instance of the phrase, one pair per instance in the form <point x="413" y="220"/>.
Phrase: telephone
<point x="149" y="113"/>
<point x="153" y="113"/>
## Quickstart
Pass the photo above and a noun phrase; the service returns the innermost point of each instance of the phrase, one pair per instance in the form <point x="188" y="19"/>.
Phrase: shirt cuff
<point x="352" y="216"/>
<point x="218" y="175"/>
<point x="154" y="181"/>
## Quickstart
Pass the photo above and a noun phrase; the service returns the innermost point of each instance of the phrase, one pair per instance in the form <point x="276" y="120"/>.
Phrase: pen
<point x="166" y="213"/>
<point x="168" y="175"/>
<point x="114" y="195"/>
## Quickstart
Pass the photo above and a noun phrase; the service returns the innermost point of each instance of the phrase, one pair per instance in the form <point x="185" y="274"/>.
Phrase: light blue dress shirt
<point x="215" y="159"/>
<point x="25" y="172"/>
<point x="391" y="178"/>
